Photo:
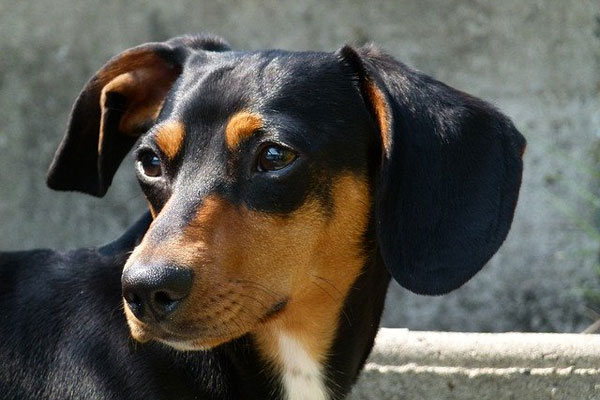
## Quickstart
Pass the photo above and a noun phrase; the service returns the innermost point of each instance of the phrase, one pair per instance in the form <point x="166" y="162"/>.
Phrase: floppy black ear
<point x="120" y="102"/>
<point x="450" y="174"/>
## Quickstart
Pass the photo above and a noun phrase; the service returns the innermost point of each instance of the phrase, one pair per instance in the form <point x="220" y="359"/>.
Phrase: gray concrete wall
<point x="538" y="61"/>
<point x="481" y="366"/>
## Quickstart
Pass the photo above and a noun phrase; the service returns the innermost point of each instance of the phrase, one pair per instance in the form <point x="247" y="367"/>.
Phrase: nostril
<point x="164" y="303"/>
<point x="132" y="298"/>
<point x="163" y="298"/>
<point x="175" y="286"/>
<point x="135" y="303"/>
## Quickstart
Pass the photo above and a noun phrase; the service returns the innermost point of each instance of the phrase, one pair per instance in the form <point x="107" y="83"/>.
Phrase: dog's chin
<point x="193" y="344"/>
<point x="144" y="333"/>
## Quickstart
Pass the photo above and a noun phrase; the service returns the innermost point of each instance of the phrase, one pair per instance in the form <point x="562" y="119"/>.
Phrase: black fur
<point x="449" y="186"/>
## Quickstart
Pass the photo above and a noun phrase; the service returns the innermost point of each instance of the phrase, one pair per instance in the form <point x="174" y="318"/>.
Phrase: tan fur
<point x="130" y="60"/>
<point x="169" y="137"/>
<point x="334" y="263"/>
<point x="152" y="210"/>
<point x="145" y="88"/>
<point x="240" y="126"/>
<point x="382" y="113"/>
<point x="245" y="262"/>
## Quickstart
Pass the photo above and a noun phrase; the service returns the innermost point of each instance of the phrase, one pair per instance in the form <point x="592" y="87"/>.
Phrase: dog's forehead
<point x="291" y="93"/>
<point x="215" y="85"/>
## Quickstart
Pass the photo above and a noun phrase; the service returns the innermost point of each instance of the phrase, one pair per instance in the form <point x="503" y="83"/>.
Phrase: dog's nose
<point x="155" y="289"/>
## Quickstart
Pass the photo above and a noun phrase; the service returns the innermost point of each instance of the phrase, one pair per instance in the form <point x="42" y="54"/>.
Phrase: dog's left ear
<point x="120" y="102"/>
<point x="449" y="177"/>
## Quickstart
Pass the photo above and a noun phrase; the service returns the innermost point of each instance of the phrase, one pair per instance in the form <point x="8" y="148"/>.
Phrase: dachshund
<point x="285" y="189"/>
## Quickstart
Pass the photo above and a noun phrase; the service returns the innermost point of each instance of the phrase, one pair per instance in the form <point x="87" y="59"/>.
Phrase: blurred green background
<point x="539" y="61"/>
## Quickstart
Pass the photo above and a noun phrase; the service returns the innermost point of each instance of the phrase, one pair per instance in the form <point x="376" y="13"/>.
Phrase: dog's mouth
<point x="201" y="333"/>
<point x="275" y="310"/>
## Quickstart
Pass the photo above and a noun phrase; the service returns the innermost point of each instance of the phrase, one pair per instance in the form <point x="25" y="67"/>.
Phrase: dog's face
<point x="275" y="178"/>
<point x="257" y="190"/>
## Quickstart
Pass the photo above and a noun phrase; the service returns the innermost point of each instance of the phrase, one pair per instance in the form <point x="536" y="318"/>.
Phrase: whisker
<point x="323" y="289"/>
<point x="329" y="283"/>
<point x="254" y="299"/>
<point x="233" y="318"/>
<point x="246" y="309"/>
<point x="257" y="284"/>
<point x="330" y="295"/>
<point x="229" y="332"/>
<point x="118" y="308"/>
<point x="273" y="296"/>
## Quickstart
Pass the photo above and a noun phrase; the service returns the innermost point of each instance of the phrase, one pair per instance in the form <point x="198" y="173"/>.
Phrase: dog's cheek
<point x="334" y="260"/>
<point x="286" y="253"/>
<point x="246" y="263"/>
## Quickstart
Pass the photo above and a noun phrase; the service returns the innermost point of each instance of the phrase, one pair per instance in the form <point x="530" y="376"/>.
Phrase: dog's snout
<point x="155" y="290"/>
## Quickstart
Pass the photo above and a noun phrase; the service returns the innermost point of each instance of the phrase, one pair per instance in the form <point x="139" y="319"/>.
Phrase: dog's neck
<point x="302" y="375"/>
<point x="322" y="360"/>
<point x="357" y="327"/>
<point x="296" y="346"/>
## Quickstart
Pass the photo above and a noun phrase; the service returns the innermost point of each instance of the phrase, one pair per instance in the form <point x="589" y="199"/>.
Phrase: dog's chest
<point x="302" y="376"/>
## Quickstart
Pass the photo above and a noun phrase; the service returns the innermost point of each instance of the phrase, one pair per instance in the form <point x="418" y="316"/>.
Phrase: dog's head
<point x="273" y="176"/>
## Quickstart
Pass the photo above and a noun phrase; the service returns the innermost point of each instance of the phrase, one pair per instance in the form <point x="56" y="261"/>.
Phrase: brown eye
<point x="274" y="157"/>
<point x="150" y="164"/>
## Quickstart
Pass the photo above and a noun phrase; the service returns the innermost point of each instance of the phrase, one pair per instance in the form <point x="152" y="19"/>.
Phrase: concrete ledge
<point x="481" y="366"/>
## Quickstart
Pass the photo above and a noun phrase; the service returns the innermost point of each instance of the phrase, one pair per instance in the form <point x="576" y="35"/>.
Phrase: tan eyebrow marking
<point x="169" y="138"/>
<point x="240" y="126"/>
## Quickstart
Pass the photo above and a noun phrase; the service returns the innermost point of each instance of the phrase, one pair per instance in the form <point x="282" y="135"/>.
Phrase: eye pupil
<point x="151" y="165"/>
<point x="274" y="157"/>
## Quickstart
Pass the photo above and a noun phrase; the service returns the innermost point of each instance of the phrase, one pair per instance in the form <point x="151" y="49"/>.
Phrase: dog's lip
<point x="160" y="330"/>
<point x="166" y="333"/>
<point x="274" y="311"/>
<point x="157" y="332"/>
<point x="191" y="342"/>
<point x="174" y="337"/>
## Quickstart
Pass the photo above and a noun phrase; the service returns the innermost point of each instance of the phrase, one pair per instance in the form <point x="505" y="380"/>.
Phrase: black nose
<point x="155" y="289"/>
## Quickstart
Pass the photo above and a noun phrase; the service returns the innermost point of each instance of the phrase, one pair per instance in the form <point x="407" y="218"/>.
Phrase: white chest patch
<point x="302" y="377"/>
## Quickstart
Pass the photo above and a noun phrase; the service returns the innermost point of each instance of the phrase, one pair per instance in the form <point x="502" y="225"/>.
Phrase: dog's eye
<point x="274" y="157"/>
<point x="150" y="164"/>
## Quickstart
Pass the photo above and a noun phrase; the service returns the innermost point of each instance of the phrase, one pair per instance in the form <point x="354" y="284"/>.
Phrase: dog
<point x="285" y="189"/>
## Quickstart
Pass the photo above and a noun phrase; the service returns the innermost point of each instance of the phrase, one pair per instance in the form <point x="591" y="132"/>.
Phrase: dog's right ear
<point x="119" y="103"/>
<point x="449" y="174"/>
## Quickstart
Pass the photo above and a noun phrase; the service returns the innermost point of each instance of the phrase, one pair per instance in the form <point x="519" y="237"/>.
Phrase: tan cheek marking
<point x="380" y="108"/>
<point x="169" y="138"/>
<point x="240" y="126"/>
<point x="306" y="257"/>
<point x="335" y="262"/>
